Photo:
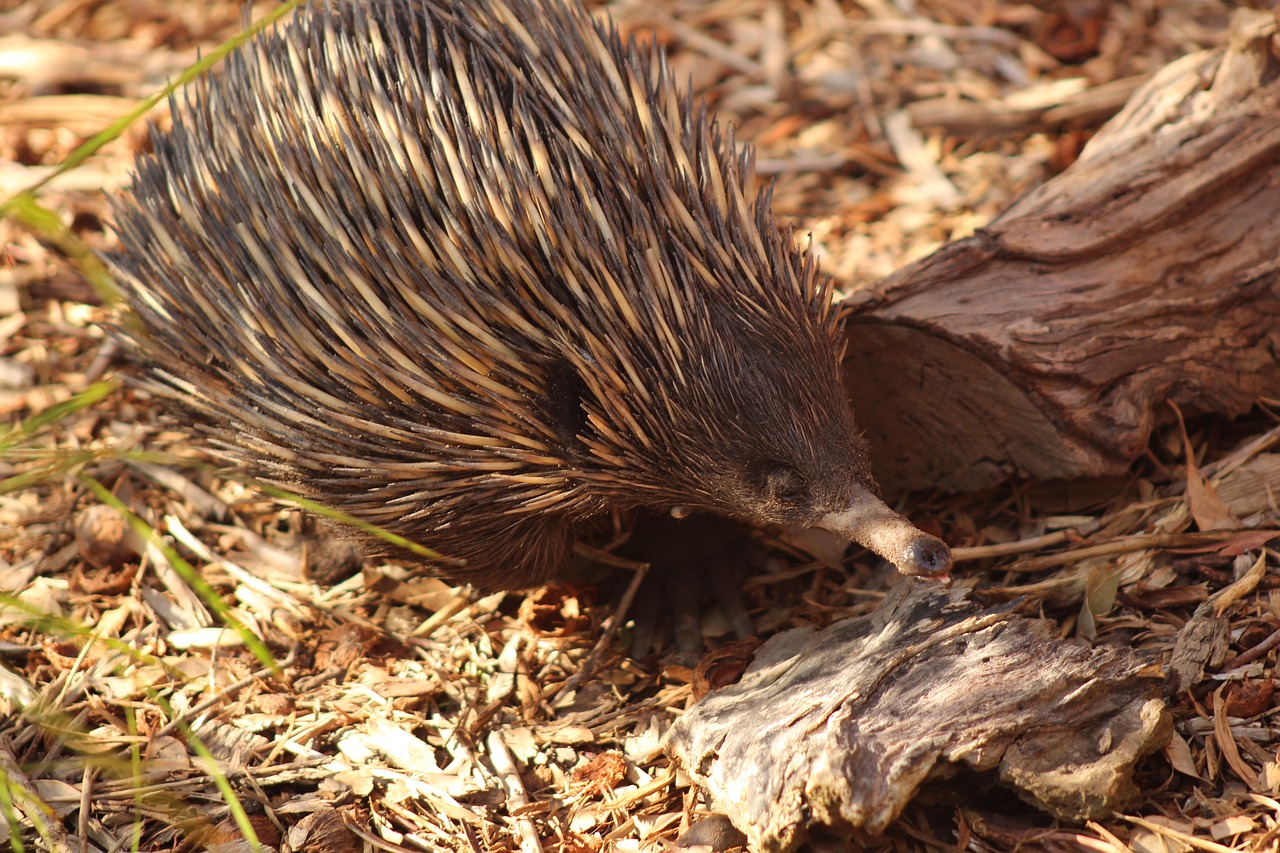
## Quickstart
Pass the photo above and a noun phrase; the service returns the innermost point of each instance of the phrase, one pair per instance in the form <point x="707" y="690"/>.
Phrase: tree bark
<point x="1047" y="344"/>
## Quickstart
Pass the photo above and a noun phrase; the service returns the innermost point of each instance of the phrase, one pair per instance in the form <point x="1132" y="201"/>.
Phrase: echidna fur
<point x="476" y="272"/>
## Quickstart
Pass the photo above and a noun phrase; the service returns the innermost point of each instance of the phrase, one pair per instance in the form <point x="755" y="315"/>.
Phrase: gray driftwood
<point x="840" y="727"/>
<point x="1047" y="344"/>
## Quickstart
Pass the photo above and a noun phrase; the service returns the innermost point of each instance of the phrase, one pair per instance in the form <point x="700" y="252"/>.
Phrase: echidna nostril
<point x="930" y="556"/>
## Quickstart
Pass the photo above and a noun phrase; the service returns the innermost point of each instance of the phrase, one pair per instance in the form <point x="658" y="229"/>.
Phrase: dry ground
<point x="423" y="717"/>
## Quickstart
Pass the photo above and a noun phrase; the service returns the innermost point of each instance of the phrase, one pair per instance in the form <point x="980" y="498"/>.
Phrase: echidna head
<point x="821" y="480"/>
<point x="840" y="498"/>
<point x="767" y="435"/>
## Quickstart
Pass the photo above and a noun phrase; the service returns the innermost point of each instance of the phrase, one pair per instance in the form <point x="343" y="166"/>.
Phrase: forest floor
<point x="395" y="711"/>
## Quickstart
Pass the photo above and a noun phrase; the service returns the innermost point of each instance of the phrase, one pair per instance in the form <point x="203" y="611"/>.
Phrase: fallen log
<point x="1048" y="344"/>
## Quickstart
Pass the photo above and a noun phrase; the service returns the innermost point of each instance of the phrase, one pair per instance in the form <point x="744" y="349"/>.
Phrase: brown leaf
<point x="105" y="581"/>
<point x="1246" y="541"/>
<point x="1249" y="698"/>
<point x="1163" y="599"/>
<point x="1178" y="753"/>
<point x="555" y="610"/>
<point x="1227" y="743"/>
<point x="1209" y="510"/>
<point x="723" y="666"/>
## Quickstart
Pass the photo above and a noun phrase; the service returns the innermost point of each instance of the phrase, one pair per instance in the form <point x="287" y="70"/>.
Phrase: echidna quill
<point x="478" y="272"/>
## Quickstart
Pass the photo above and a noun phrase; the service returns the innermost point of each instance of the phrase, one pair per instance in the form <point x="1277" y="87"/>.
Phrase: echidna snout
<point x="873" y="525"/>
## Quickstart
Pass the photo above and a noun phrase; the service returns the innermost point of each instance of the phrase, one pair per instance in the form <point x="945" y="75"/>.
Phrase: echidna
<point x="478" y="272"/>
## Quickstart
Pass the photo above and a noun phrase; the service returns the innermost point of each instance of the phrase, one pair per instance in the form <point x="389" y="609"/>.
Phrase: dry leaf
<point x="1209" y="511"/>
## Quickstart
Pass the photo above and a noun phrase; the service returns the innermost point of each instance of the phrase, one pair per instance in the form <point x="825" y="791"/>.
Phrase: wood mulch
<point x="401" y="713"/>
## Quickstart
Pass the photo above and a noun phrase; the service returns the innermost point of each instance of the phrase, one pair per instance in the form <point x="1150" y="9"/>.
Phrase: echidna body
<point x="476" y="272"/>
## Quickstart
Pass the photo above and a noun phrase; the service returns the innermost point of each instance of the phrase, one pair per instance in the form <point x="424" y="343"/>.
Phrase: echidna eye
<point x="786" y="484"/>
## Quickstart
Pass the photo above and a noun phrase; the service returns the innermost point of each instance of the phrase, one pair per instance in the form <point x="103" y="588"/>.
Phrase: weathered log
<point x="1047" y="344"/>
<point x="840" y="727"/>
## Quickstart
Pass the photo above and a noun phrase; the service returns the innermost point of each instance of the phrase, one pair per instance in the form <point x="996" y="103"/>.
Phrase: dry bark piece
<point x="604" y="772"/>
<point x="1253" y="486"/>
<point x="324" y="831"/>
<point x="227" y="837"/>
<point x="104" y="538"/>
<point x="840" y="727"/>
<point x="1046" y="344"/>
<point x="1202" y="642"/>
<point x="1021" y="114"/>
